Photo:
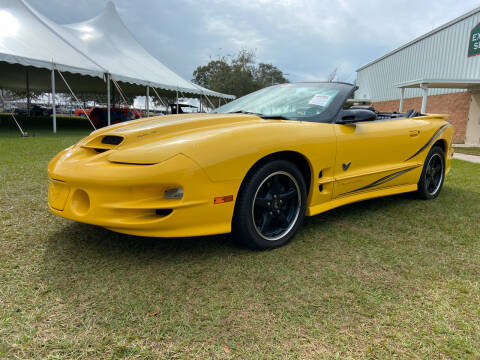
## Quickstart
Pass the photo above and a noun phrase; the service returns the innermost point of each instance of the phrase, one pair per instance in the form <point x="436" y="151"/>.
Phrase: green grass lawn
<point x="468" y="150"/>
<point x="391" y="277"/>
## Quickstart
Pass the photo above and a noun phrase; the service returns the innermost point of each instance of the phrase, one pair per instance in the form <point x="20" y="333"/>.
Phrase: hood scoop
<point x="112" y="140"/>
<point x="104" y="143"/>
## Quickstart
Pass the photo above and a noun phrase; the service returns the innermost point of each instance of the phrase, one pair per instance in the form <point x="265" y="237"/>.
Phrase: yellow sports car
<point x="255" y="166"/>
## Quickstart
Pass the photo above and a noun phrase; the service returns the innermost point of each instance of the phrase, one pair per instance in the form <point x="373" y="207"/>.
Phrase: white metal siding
<point x="441" y="55"/>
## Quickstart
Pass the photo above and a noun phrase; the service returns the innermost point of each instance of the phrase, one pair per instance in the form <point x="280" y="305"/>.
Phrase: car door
<point x="372" y="155"/>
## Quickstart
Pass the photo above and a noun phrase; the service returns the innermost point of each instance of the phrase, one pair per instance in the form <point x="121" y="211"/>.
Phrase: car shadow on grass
<point x="74" y="239"/>
<point x="77" y="241"/>
<point x="79" y="256"/>
<point x="77" y="237"/>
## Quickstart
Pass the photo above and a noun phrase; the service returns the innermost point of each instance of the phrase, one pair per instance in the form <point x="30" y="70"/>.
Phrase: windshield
<point x="300" y="101"/>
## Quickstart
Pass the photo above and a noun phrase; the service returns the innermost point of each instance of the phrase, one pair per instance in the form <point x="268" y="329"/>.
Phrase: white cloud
<point x="305" y="38"/>
<point x="237" y="34"/>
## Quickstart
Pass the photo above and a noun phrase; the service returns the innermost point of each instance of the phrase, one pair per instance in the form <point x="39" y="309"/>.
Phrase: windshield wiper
<point x="244" y="112"/>
<point x="274" y="117"/>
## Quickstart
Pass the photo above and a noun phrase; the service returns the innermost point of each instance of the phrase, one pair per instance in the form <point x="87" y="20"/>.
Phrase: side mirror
<point x="350" y="116"/>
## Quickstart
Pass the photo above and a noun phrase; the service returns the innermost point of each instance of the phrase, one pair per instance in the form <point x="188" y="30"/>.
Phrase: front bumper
<point x="130" y="199"/>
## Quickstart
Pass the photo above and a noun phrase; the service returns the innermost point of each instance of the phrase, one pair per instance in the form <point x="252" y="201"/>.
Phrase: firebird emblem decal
<point x="346" y="166"/>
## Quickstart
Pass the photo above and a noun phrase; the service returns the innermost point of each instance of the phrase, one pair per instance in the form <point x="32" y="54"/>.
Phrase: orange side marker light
<point x="222" y="199"/>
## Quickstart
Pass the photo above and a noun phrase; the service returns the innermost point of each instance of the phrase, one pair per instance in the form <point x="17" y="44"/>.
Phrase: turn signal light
<point x="223" y="199"/>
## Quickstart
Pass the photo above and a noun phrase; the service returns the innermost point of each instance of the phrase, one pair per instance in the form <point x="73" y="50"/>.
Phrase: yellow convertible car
<point x="255" y="166"/>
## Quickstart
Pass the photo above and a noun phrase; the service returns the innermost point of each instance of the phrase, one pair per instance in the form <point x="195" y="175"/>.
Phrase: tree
<point x="242" y="75"/>
<point x="237" y="75"/>
<point x="268" y="74"/>
<point x="214" y="75"/>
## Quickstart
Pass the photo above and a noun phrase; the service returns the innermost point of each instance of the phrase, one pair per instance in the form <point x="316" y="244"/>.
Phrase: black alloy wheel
<point x="276" y="205"/>
<point x="271" y="206"/>
<point x="433" y="174"/>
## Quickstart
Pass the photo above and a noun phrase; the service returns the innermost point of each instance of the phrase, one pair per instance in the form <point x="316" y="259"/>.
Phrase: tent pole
<point x="108" y="100"/>
<point x="54" y="111"/>
<point x="28" y="92"/>
<point x="147" y="101"/>
<point x="113" y="90"/>
<point x="177" y="101"/>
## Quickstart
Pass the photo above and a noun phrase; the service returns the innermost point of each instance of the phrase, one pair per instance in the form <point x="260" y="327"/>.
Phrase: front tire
<point x="433" y="174"/>
<point x="270" y="206"/>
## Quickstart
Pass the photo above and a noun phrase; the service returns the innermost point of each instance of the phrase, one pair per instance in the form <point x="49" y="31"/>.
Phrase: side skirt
<point x="317" y="209"/>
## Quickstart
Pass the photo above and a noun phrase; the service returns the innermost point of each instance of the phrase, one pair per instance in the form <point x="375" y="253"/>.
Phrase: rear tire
<point x="433" y="174"/>
<point x="270" y="206"/>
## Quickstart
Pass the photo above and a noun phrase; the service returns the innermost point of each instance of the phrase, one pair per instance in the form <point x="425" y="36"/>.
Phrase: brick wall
<point x="456" y="105"/>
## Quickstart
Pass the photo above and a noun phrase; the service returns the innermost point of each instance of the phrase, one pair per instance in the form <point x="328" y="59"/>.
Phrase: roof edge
<point x="447" y="83"/>
<point x="47" y="65"/>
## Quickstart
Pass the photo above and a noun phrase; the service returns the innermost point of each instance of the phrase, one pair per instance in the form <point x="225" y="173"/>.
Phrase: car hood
<point x="153" y="140"/>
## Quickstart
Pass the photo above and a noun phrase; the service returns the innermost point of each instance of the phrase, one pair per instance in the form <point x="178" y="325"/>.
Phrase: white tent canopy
<point x="100" y="46"/>
<point x="26" y="40"/>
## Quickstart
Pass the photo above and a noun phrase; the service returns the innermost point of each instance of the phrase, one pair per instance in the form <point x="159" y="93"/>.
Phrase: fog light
<point x="175" y="193"/>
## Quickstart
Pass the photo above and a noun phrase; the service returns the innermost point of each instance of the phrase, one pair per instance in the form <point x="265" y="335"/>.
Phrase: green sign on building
<point x="474" y="41"/>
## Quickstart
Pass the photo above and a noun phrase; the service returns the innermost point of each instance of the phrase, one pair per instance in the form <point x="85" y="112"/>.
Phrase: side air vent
<point x="163" y="212"/>
<point x="112" y="140"/>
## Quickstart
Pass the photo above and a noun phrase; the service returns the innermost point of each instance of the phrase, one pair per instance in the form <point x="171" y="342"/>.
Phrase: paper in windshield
<point x="323" y="99"/>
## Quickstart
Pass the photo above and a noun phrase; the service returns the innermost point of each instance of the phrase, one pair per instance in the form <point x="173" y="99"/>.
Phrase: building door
<point x="473" y="124"/>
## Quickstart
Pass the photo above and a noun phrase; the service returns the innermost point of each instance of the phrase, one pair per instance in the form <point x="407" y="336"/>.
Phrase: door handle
<point x="414" y="132"/>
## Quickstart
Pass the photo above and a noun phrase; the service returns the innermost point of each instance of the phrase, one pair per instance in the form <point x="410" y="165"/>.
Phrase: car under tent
<point x="99" y="55"/>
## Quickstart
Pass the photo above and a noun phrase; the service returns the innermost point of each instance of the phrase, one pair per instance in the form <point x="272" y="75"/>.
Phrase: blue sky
<point x="306" y="39"/>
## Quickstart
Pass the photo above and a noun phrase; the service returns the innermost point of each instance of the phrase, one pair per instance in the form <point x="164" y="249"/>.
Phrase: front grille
<point x="112" y="140"/>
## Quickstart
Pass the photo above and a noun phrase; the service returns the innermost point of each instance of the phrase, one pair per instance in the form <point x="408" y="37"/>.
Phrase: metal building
<point x="438" y="72"/>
